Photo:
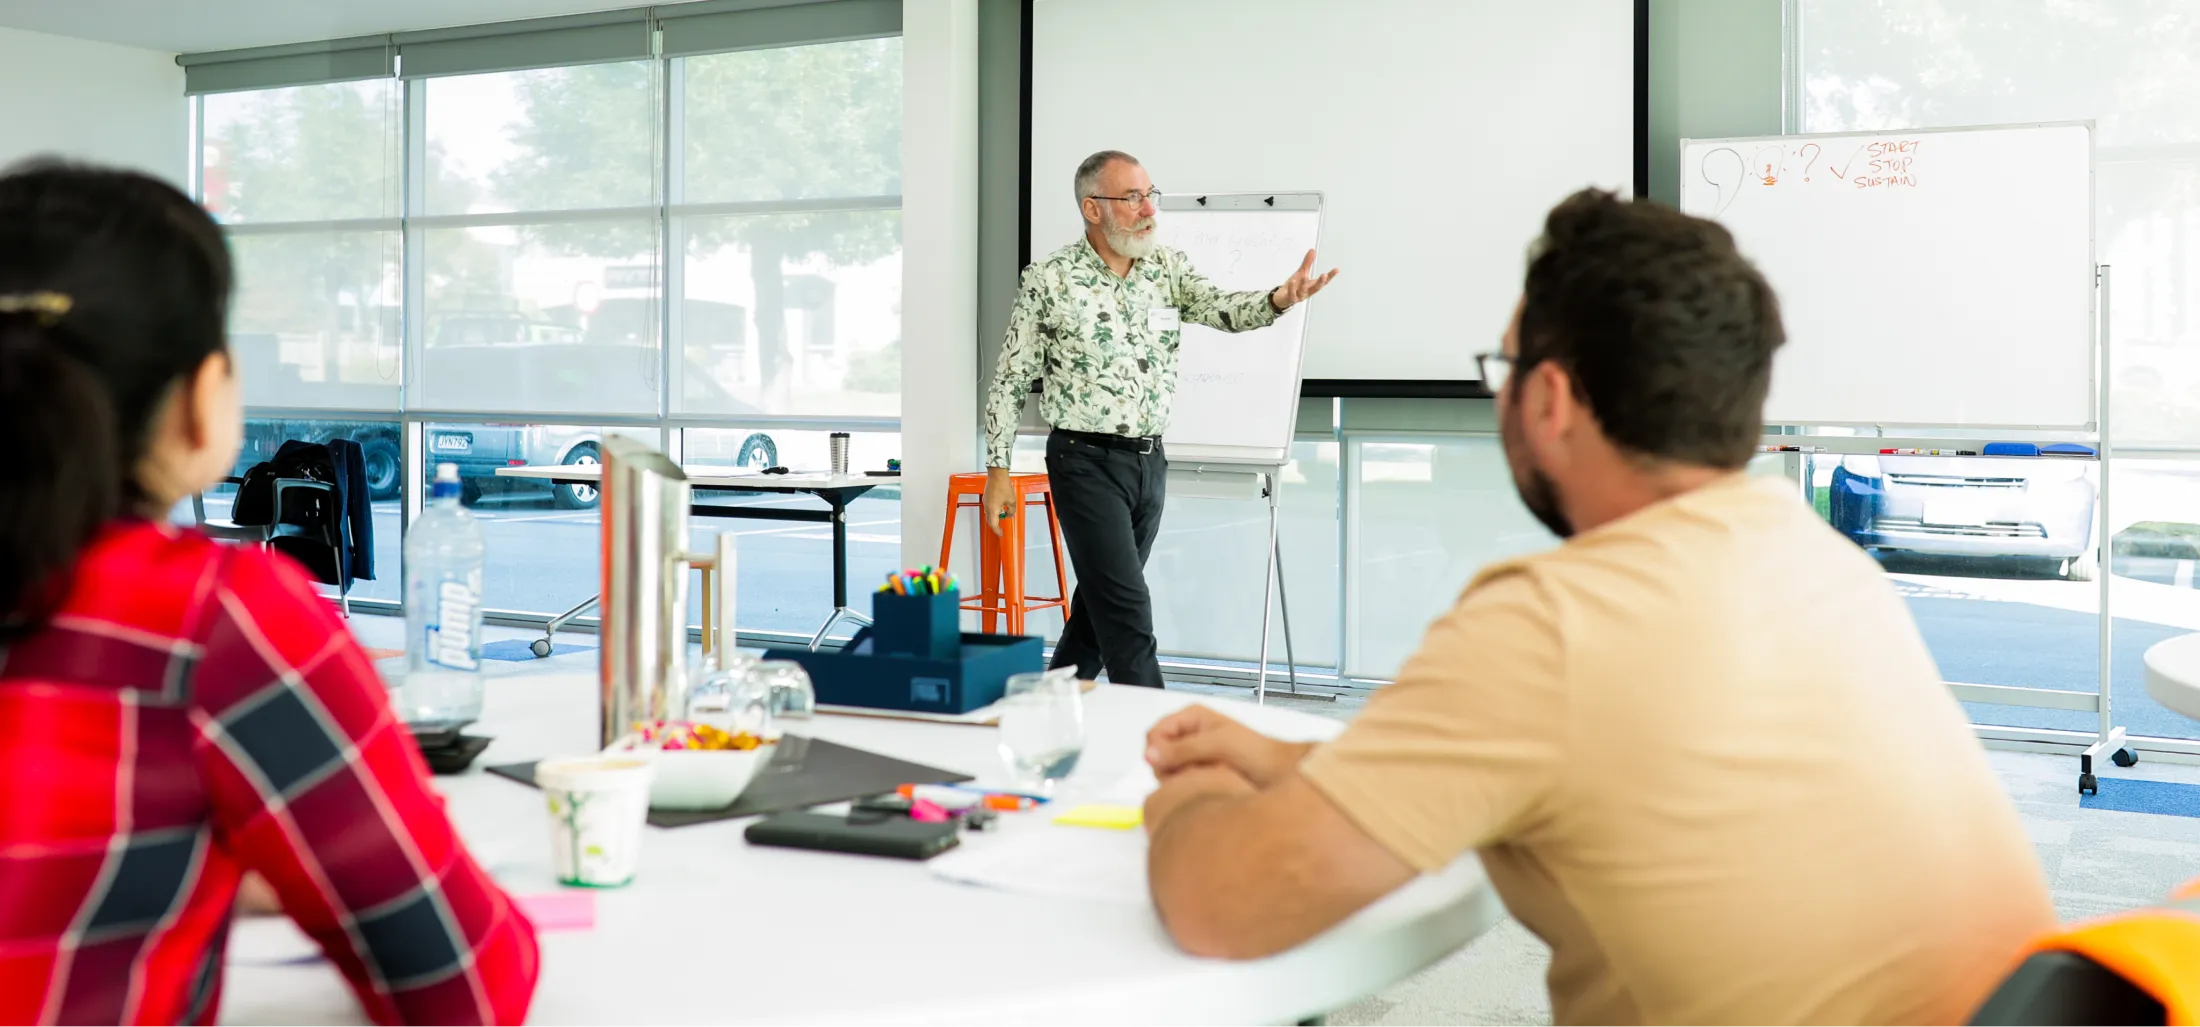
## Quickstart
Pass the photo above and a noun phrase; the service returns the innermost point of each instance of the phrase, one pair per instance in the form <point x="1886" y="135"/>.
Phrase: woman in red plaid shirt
<point x="176" y="714"/>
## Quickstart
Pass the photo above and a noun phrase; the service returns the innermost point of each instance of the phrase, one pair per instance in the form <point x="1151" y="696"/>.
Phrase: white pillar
<point x="939" y="262"/>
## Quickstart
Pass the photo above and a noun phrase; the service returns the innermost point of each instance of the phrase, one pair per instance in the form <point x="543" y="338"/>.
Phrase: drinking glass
<point x="1042" y="728"/>
<point x="727" y="699"/>
<point x="786" y="689"/>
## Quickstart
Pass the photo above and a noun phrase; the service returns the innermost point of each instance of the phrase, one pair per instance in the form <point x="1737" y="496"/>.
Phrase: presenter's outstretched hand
<point x="1301" y="286"/>
<point x="1000" y="498"/>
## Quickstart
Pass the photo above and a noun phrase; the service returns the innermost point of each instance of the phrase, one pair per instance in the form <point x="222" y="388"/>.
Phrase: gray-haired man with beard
<point x="1100" y="319"/>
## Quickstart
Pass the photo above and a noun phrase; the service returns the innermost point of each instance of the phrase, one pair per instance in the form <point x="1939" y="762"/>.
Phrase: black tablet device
<point x="896" y="837"/>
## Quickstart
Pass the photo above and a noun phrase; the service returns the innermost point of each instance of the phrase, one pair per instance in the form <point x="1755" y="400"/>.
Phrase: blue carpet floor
<point x="514" y="650"/>
<point x="2133" y="796"/>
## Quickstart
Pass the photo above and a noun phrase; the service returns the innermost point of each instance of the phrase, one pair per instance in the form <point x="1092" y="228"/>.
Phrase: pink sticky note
<point x="560" y="910"/>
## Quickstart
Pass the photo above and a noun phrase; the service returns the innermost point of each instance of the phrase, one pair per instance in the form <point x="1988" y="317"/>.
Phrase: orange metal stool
<point x="1001" y="557"/>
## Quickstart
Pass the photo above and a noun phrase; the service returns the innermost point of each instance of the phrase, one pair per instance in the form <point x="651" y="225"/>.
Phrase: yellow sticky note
<point x="1113" y="818"/>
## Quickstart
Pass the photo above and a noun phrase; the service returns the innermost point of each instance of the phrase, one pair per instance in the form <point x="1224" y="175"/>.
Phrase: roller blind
<point x="297" y="64"/>
<point x="720" y="27"/>
<point x="518" y="45"/>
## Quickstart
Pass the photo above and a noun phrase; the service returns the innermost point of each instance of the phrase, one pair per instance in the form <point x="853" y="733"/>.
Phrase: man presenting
<point x="1100" y="320"/>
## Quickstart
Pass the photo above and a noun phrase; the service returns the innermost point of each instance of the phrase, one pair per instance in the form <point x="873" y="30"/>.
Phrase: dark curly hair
<point x="1667" y="330"/>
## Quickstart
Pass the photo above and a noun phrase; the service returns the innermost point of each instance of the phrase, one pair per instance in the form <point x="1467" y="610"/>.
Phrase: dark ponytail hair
<point x="114" y="286"/>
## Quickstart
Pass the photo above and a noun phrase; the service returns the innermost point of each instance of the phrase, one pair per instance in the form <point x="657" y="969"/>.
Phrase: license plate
<point x="453" y="443"/>
<point x="1957" y="512"/>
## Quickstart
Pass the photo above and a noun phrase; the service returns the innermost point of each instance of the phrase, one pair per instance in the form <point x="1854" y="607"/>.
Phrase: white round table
<point x="2173" y="674"/>
<point x="714" y="930"/>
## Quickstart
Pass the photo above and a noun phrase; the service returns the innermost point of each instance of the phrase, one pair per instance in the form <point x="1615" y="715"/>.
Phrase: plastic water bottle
<point x="443" y="558"/>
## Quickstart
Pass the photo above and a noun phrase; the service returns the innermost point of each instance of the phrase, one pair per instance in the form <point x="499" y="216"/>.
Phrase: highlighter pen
<point x="975" y="796"/>
<point x="943" y="796"/>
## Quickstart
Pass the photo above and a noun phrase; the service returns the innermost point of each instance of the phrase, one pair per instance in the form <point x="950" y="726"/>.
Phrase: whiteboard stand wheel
<point x="2088" y="785"/>
<point x="540" y="647"/>
<point x="2124" y="757"/>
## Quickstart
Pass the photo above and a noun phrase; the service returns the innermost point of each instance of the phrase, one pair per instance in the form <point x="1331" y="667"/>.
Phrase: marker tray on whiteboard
<point x="977" y="676"/>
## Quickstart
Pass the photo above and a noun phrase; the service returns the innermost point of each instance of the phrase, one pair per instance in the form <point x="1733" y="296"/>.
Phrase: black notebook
<point x="803" y="772"/>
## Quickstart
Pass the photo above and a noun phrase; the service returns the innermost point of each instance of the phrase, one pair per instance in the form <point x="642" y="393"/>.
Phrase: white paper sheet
<point x="1047" y="859"/>
<point x="1032" y="855"/>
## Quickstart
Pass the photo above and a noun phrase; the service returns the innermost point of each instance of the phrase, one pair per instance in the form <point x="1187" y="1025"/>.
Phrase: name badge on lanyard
<point x="1163" y="319"/>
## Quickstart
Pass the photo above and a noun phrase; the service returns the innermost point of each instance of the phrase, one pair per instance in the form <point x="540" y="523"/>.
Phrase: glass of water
<point x="1042" y="727"/>
<point x="786" y="689"/>
<point x="724" y="698"/>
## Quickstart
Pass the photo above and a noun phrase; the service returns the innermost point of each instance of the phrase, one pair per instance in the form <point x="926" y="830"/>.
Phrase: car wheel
<point x="385" y="468"/>
<point x="579" y="497"/>
<point x="2082" y="568"/>
<point x="757" y="452"/>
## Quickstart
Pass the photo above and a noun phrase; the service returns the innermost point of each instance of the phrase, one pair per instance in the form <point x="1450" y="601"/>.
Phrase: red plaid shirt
<point x="195" y="711"/>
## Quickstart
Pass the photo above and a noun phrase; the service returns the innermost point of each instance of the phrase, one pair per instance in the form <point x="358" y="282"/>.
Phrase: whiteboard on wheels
<point x="1237" y="395"/>
<point x="1926" y="277"/>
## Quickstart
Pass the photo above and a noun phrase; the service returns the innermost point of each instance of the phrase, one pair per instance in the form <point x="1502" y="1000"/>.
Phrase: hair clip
<point x="48" y="307"/>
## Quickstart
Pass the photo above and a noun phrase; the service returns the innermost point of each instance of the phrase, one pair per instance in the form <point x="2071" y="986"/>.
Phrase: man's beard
<point x="1124" y="241"/>
<point x="1537" y="493"/>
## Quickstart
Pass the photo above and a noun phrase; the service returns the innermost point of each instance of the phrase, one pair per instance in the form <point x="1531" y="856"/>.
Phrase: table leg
<point x="707" y="573"/>
<point x="841" y="611"/>
<point x="840" y="554"/>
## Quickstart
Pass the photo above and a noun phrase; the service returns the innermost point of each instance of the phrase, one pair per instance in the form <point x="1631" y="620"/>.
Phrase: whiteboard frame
<point x="2096" y="373"/>
<point x="1196" y="457"/>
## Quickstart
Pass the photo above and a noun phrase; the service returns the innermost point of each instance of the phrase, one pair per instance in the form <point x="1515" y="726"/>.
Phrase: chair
<point x="229" y="530"/>
<point x="305" y="526"/>
<point x="1001" y="557"/>
<point x="2067" y="988"/>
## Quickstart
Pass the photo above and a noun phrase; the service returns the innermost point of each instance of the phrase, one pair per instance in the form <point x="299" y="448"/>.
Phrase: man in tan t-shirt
<point x="1700" y="747"/>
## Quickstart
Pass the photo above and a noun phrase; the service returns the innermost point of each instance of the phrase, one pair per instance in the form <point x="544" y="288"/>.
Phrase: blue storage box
<point x="977" y="675"/>
<point x="916" y="657"/>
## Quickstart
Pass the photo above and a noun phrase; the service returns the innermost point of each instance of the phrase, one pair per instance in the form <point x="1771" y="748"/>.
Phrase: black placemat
<point x="803" y="772"/>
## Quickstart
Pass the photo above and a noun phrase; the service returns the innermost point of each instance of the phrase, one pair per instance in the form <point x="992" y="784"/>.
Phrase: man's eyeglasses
<point x="1496" y="368"/>
<point x="1133" y="199"/>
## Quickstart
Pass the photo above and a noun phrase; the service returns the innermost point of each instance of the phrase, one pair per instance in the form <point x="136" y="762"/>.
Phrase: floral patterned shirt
<point x="1106" y="344"/>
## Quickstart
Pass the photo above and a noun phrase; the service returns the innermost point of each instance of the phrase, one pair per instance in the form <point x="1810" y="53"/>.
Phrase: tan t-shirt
<point x="1706" y="756"/>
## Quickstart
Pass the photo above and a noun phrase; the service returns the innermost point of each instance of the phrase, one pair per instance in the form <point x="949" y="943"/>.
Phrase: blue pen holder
<point x="928" y="627"/>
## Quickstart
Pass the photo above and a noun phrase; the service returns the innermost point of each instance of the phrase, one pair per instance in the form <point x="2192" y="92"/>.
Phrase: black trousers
<point x="1109" y="503"/>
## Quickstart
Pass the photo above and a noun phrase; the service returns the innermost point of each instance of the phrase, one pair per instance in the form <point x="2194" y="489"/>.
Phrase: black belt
<point x="1141" y="445"/>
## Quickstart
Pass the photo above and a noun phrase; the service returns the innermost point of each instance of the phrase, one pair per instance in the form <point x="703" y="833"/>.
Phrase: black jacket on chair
<point x="348" y="522"/>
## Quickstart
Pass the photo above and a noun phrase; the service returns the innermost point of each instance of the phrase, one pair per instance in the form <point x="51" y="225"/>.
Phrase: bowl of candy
<point x="699" y="767"/>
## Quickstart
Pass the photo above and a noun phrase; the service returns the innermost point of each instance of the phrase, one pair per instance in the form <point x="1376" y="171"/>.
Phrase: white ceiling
<point x="195" y="26"/>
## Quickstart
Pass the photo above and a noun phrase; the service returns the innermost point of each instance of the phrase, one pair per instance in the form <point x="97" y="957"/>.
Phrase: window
<point x="302" y="153"/>
<point x="379" y="443"/>
<point x="789" y="231"/>
<point x="556" y="139"/>
<point x="2124" y="67"/>
<point x="1425" y="513"/>
<point x="544" y="539"/>
<point x="305" y="178"/>
<point x="785" y="578"/>
<point x="792" y="314"/>
<point x="485" y="255"/>
<point x="527" y="306"/>
<point x="1209" y="565"/>
<point x="519" y="318"/>
<point x="2155" y="593"/>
